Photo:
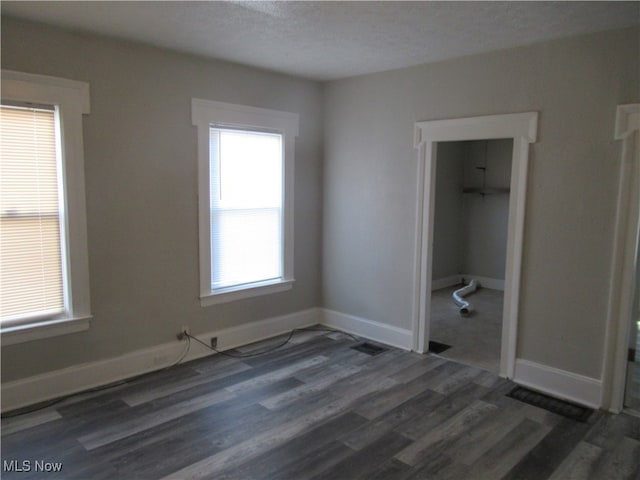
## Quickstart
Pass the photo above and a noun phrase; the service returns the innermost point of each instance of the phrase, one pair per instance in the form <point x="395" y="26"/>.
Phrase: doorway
<point x="469" y="250"/>
<point x="521" y="128"/>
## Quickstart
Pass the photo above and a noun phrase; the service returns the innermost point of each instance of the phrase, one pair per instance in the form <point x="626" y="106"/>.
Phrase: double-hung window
<point x="43" y="251"/>
<point x="31" y="262"/>
<point x="245" y="200"/>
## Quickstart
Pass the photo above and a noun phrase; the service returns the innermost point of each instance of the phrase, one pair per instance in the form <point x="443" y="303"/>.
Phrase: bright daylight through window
<point x="246" y="207"/>
<point x="245" y="170"/>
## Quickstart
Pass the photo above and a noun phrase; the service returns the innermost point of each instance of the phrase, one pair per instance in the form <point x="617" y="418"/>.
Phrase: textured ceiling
<point x="329" y="40"/>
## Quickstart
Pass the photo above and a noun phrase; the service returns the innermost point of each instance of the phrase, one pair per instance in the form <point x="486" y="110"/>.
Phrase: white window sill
<point x="231" y="295"/>
<point x="42" y="329"/>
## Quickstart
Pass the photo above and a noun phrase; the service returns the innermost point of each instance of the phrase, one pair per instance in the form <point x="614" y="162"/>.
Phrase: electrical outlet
<point x="184" y="329"/>
<point x="214" y="342"/>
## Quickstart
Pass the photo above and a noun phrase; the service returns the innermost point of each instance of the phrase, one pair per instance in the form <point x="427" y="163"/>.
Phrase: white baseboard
<point x="559" y="383"/>
<point x="445" y="282"/>
<point x="486" y="282"/>
<point x="77" y="378"/>
<point x="450" y="281"/>
<point x="379" y="332"/>
<point x="47" y="386"/>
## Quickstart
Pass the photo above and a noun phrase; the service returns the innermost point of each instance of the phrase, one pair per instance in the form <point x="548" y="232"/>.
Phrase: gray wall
<point x="486" y="218"/>
<point x="141" y="187"/>
<point x="470" y="230"/>
<point x="354" y="212"/>
<point x="449" y="219"/>
<point x="370" y="183"/>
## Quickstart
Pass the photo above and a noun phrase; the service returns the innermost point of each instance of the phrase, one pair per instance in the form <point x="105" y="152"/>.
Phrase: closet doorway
<point x="521" y="130"/>
<point x="471" y="218"/>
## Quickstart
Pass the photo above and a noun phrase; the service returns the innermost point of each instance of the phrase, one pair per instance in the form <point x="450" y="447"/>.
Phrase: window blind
<point x="31" y="279"/>
<point x="246" y="199"/>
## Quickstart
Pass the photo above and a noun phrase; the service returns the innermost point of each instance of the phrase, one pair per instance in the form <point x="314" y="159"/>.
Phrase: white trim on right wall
<point x="363" y="327"/>
<point x="522" y="128"/>
<point x="559" y="383"/>
<point x="623" y="263"/>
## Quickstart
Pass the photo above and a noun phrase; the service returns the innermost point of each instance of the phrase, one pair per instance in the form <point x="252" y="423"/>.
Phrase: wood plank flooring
<point x="316" y="409"/>
<point x="475" y="339"/>
<point x="632" y="399"/>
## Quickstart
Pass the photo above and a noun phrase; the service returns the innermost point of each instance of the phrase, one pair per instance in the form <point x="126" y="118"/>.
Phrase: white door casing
<point x="522" y="128"/>
<point x="625" y="246"/>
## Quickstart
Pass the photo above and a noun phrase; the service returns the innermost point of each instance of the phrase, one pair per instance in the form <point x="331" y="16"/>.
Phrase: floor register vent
<point x="560" y="407"/>
<point x="369" y="348"/>
<point x="437" y="347"/>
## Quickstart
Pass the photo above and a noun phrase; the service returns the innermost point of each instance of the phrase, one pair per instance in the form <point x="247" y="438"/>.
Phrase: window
<point x="245" y="189"/>
<point x="246" y="207"/>
<point x="31" y="264"/>
<point x="43" y="252"/>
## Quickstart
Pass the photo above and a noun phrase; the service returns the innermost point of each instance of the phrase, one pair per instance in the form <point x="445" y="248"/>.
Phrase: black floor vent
<point x="437" y="347"/>
<point x="369" y="348"/>
<point x="561" y="407"/>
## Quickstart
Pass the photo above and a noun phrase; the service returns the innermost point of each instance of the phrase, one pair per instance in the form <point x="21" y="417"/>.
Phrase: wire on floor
<point x="271" y="349"/>
<point x="49" y="403"/>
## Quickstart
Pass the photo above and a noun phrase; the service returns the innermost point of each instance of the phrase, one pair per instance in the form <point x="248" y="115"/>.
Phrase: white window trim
<point x="72" y="99"/>
<point x="204" y="114"/>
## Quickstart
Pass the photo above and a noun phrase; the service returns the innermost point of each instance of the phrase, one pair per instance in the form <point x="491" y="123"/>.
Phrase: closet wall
<point x="470" y="233"/>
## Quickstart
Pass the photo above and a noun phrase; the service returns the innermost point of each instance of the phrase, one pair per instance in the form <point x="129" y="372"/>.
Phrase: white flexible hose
<point x="465" y="307"/>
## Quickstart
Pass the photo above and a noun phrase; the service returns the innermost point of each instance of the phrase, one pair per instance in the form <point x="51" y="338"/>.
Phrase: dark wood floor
<point x="318" y="409"/>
